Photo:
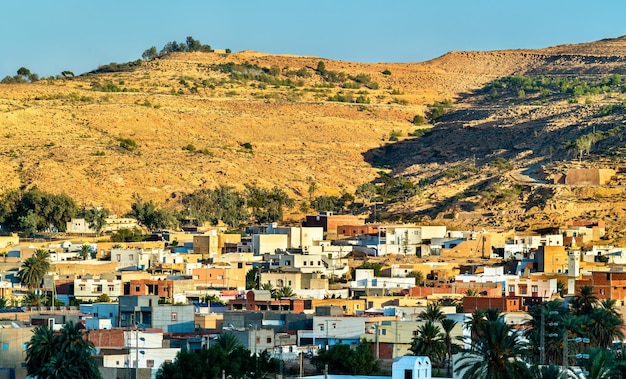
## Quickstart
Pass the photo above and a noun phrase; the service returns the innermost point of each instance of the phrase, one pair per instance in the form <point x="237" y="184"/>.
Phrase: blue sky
<point x="48" y="37"/>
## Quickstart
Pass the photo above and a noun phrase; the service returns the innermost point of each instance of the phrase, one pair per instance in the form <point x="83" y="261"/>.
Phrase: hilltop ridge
<point x="64" y="135"/>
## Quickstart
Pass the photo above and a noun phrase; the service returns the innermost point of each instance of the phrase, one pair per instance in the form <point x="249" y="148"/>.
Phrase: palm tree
<point x="269" y="287"/>
<point x="39" y="348"/>
<point x="34" y="269"/>
<point x="447" y="325"/>
<point x="584" y="301"/>
<point x="604" y="326"/>
<point x="551" y="313"/>
<point x="228" y="342"/>
<point x="474" y="322"/>
<point x="432" y="313"/>
<point x="496" y="351"/>
<point x="548" y="372"/>
<point x="601" y="364"/>
<point x="284" y="292"/>
<point x="85" y="250"/>
<point x="33" y="299"/>
<point x="30" y="273"/>
<point x="429" y="341"/>
<point x="472" y="292"/>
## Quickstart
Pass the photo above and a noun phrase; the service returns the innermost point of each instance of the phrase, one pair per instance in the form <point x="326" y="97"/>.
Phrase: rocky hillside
<point x="197" y="120"/>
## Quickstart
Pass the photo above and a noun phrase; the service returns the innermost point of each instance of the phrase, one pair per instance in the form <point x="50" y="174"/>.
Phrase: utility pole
<point x="377" y="343"/>
<point x="543" y="335"/>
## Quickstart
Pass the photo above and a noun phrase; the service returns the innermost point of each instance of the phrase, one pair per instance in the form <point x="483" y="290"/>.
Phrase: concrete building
<point x="366" y="283"/>
<point x="13" y="338"/>
<point x="148" y="313"/>
<point x="89" y="288"/>
<point x="552" y="259"/>
<point x="329" y="222"/>
<point x="269" y="243"/>
<point x="129" y="258"/>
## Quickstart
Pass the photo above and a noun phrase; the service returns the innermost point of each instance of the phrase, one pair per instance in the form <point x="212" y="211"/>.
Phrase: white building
<point x="144" y="351"/>
<point x="90" y="288"/>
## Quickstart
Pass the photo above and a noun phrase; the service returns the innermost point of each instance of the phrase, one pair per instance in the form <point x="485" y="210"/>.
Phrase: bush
<point x="418" y="120"/>
<point x="386" y="72"/>
<point x="127" y="143"/>
<point x="393" y="136"/>
<point x="501" y="164"/>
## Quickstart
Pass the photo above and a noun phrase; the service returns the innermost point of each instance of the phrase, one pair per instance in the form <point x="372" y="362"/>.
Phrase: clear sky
<point x="50" y="36"/>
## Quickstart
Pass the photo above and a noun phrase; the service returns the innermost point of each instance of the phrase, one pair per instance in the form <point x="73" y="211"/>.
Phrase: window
<point x="269" y="340"/>
<point x="5" y="346"/>
<point x="111" y="288"/>
<point x="150" y="363"/>
<point x="174" y="316"/>
<point x="522" y="290"/>
<point x="131" y="257"/>
<point x="81" y="287"/>
<point x="118" y="257"/>
<point x="136" y="288"/>
<point x="534" y="289"/>
<point x="383" y="332"/>
<point x="304" y="263"/>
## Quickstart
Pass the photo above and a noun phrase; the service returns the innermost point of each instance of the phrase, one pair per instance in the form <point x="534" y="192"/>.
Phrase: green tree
<point x="604" y="326"/>
<point x="328" y="203"/>
<point x="451" y="348"/>
<point x="419" y="277"/>
<point x="267" y="205"/>
<point x="85" y="251"/>
<point x="66" y="355"/>
<point x="252" y="279"/>
<point x="584" y="301"/>
<point x="150" y="54"/>
<point x="496" y="350"/>
<point x="430" y="342"/>
<point x="33" y="299"/>
<point x="193" y="44"/>
<point x="432" y="313"/>
<point x="34" y="268"/>
<point x="104" y="298"/>
<point x="321" y="68"/>
<point x="95" y="218"/>
<point x="284" y="292"/>
<point x="150" y="216"/>
<point x="341" y="359"/>
<point x="228" y="342"/>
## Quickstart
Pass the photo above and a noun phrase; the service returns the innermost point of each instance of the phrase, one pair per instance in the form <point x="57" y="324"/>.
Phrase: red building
<point x="356" y="230"/>
<point x="262" y="301"/>
<point x="148" y="287"/>
<point x="504" y="304"/>
<point x="606" y="285"/>
<point x="329" y="222"/>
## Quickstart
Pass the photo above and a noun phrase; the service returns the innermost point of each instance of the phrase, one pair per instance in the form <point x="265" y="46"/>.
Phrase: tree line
<point x="586" y="327"/>
<point x="32" y="211"/>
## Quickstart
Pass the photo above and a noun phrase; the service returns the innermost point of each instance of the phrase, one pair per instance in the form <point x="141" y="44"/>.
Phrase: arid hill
<point x="199" y="120"/>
